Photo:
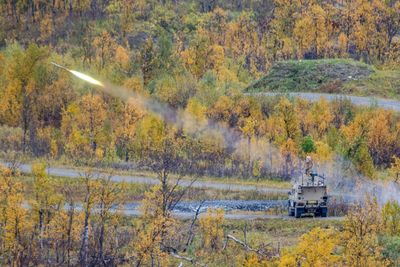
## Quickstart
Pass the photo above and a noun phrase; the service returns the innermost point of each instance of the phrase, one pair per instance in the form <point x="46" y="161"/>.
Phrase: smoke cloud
<point x="346" y="183"/>
<point x="342" y="179"/>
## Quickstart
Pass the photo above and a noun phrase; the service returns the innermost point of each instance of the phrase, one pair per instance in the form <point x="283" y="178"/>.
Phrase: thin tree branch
<point x="190" y="238"/>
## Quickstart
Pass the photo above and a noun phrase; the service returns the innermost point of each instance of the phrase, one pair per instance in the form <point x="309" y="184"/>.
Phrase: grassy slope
<point x="384" y="83"/>
<point x="329" y="76"/>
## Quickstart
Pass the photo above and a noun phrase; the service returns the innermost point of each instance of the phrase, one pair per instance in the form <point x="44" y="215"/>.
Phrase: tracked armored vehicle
<point x="309" y="195"/>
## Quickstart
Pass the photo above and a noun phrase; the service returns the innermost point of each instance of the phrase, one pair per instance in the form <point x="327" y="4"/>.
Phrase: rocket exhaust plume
<point x="81" y="76"/>
<point x="167" y="113"/>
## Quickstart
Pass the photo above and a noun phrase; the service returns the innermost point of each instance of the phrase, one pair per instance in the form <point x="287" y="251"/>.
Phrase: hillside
<point x="329" y="76"/>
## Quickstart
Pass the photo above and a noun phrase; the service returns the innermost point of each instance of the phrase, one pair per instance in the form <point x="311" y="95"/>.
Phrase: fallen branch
<point x="191" y="260"/>
<point x="182" y="257"/>
<point x="240" y="242"/>
<point x="244" y="245"/>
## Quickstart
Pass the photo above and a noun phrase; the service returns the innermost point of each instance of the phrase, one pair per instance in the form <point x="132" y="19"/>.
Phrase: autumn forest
<point x="196" y="91"/>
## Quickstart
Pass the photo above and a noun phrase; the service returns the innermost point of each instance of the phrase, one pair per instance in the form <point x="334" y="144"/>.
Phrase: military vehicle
<point x="308" y="196"/>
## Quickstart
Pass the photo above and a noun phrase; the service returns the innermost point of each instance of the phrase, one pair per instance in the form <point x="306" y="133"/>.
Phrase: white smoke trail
<point x="341" y="177"/>
<point x="178" y="118"/>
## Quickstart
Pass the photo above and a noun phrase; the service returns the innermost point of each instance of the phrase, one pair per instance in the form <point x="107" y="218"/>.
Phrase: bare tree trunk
<point x="190" y="237"/>
<point x="249" y="167"/>
<point x="101" y="240"/>
<point x="84" y="250"/>
<point x="83" y="253"/>
<point x="41" y="230"/>
<point x="25" y="122"/>
<point x="69" y="232"/>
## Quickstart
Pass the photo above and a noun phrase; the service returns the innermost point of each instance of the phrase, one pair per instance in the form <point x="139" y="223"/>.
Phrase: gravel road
<point x="234" y="209"/>
<point x="72" y="173"/>
<point x="356" y="100"/>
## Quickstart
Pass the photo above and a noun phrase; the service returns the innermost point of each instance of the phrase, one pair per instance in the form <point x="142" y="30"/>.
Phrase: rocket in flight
<point x="81" y="75"/>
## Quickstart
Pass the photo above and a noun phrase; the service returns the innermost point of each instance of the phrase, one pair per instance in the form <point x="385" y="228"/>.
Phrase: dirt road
<point x="356" y="100"/>
<point x="73" y="173"/>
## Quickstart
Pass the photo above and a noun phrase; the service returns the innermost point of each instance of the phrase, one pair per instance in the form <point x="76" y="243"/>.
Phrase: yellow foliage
<point x="105" y="48"/>
<point x="355" y="141"/>
<point x="125" y="125"/>
<point x="135" y="84"/>
<point x="46" y="27"/>
<point x="122" y="57"/>
<point x="226" y="75"/>
<point x="324" y="153"/>
<point x="197" y="116"/>
<point x="45" y="196"/>
<point x="195" y="57"/>
<point x="81" y="6"/>
<point x="217" y="57"/>
<point x="17" y="224"/>
<point x="249" y="127"/>
<point x="319" y="118"/>
<point x="222" y="109"/>
<point x="343" y="44"/>
<point x="99" y="153"/>
<point x="395" y="169"/>
<point x="150" y="134"/>
<point x="315" y="248"/>
<point x="241" y="36"/>
<point x="10" y="104"/>
<point x="54" y="151"/>
<point x="310" y="31"/>
<point x="287" y="48"/>
<point x="211" y="229"/>
<point x="303" y="35"/>
<point x="380" y="137"/>
<point x="287" y="119"/>
<point x="289" y="148"/>
<point x="83" y="124"/>
<point x="391" y="218"/>
<point x="257" y="168"/>
<point x="360" y="236"/>
<point x="197" y="110"/>
<point x="13" y="217"/>
<point x="363" y="28"/>
<point x="154" y="230"/>
<point x="253" y="261"/>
